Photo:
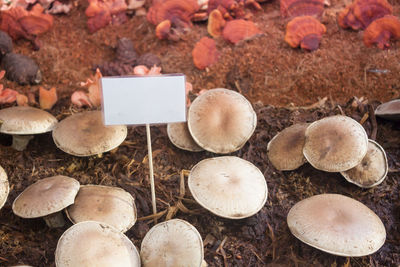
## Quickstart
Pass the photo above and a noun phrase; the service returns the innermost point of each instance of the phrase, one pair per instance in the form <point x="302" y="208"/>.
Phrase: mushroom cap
<point x="239" y="29"/>
<point x="389" y="110"/>
<point x="372" y="170"/>
<point x="46" y="196"/>
<point x="205" y="53"/>
<point x="179" y="135"/>
<point x="228" y="186"/>
<point x="111" y="205"/>
<point x="335" y="143"/>
<point x="295" y="8"/>
<point x="173" y="243"/>
<point x="84" y="134"/>
<point x="216" y="23"/>
<point x="97" y="244"/>
<point x="221" y="120"/>
<point x="285" y="150"/>
<point x="305" y="31"/>
<point x="337" y="224"/>
<point x="22" y="120"/>
<point x="381" y="30"/>
<point x="178" y="12"/>
<point x="4" y="187"/>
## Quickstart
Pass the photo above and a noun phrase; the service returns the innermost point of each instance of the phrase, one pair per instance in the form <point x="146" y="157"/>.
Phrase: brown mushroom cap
<point x="84" y="134"/>
<point x="239" y="29"/>
<point x="21" y="120"/>
<point x="285" y="150"/>
<point x="46" y="196"/>
<point x="221" y="120"/>
<point x="173" y="243"/>
<point x="205" y="53"/>
<point x="179" y="135"/>
<point x="380" y="32"/>
<point x="304" y="31"/>
<point x="95" y="244"/>
<point x="216" y="23"/>
<point x="4" y="187"/>
<point x="294" y="8"/>
<point x="335" y="143"/>
<point x="372" y="169"/>
<point x="228" y="186"/>
<point x="111" y="205"/>
<point x="337" y="224"/>
<point x="389" y="110"/>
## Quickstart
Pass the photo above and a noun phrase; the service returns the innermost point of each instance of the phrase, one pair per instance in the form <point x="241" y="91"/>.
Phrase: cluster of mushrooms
<point x="220" y="121"/>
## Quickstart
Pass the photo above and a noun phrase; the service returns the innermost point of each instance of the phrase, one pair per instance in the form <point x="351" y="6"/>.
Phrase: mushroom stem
<point x="54" y="220"/>
<point x="21" y="141"/>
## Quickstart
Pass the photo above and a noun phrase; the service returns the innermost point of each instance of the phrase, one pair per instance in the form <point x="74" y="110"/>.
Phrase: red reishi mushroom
<point x="47" y="98"/>
<point x="305" y="31"/>
<point x="380" y="32"/>
<point x="216" y="23"/>
<point x="239" y="29"/>
<point x="294" y="8"/>
<point x="100" y="13"/>
<point x="205" y="53"/>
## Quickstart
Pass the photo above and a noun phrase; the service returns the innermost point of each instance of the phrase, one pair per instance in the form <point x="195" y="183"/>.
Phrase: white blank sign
<point x="143" y="99"/>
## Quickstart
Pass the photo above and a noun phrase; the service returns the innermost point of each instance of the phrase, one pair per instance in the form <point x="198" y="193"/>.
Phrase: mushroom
<point x="173" y="243"/>
<point x="4" y="187"/>
<point x="336" y="143"/>
<point x="179" y="135"/>
<point x="111" y="205"/>
<point x="294" y="8"/>
<point x="216" y="23"/>
<point x="380" y="32"/>
<point x="285" y="150"/>
<point x="93" y="243"/>
<point x="389" y="110"/>
<point x="84" y="134"/>
<point x="337" y="224"/>
<point x="305" y="31"/>
<point x="372" y="170"/>
<point x="23" y="122"/>
<point x="205" y="53"/>
<point x="101" y="13"/>
<point x="221" y="120"/>
<point x="21" y="69"/>
<point x="46" y="198"/>
<point x="228" y="186"/>
<point x="239" y="29"/>
<point x="6" y="45"/>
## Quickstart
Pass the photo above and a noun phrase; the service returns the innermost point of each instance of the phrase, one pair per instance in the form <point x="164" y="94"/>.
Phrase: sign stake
<point x="150" y="157"/>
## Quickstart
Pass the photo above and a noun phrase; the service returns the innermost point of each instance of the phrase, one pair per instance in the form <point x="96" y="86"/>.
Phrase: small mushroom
<point x="205" y="53"/>
<point x="389" y="110"/>
<point x="101" y="13"/>
<point x="179" y="135"/>
<point x="6" y="45"/>
<point x="380" y="32"/>
<point x="163" y="31"/>
<point x="216" y="23"/>
<point x="285" y="150"/>
<point x="305" y="31"/>
<point x="239" y="29"/>
<point x="125" y="52"/>
<point x="149" y="60"/>
<point x="84" y="134"/>
<point x="93" y="243"/>
<point x="336" y="143"/>
<point x="46" y="198"/>
<point x="23" y="122"/>
<point x="107" y="204"/>
<point x="47" y="98"/>
<point x="4" y="187"/>
<point x="294" y="8"/>
<point x="173" y="243"/>
<point x="21" y="69"/>
<point x="221" y="120"/>
<point x="372" y="170"/>
<point x="228" y="186"/>
<point x="337" y="224"/>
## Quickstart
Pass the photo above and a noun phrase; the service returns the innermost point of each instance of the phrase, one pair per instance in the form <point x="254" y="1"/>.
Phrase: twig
<point x="373" y="121"/>
<point x="221" y="250"/>
<point x="3" y="259"/>
<point x="364" y="118"/>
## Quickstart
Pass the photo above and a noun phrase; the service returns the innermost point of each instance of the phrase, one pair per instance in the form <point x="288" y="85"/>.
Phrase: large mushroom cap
<point x="179" y="135"/>
<point x="26" y="121"/>
<point x="111" y="205"/>
<point x="174" y="243"/>
<point x="221" y="120"/>
<point x="335" y="143"/>
<point x="372" y="169"/>
<point x="95" y="244"/>
<point x="285" y="150"/>
<point x="389" y="110"/>
<point x="337" y="224"/>
<point x="84" y="134"/>
<point x="228" y="186"/>
<point x="46" y="196"/>
<point x="4" y="187"/>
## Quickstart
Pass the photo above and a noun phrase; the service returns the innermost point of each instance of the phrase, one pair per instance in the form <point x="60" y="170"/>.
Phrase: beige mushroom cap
<point x="335" y="143"/>
<point x="84" y="134"/>
<point x="285" y="150"/>
<point x="26" y="121"/>
<point x="179" y="135"/>
<point x="111" y="205"/>
<point x="337" y="224"/>
<point x="4" y="187"/>
<point x="372" y="170"/>
<point x="46" y="196"/>
<point x="389" y="110"/>
<point x="173" y="243"/>
<point x="90" y="243"/>
<point x="228" y="186"/>
<point x="221" y="120"/>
